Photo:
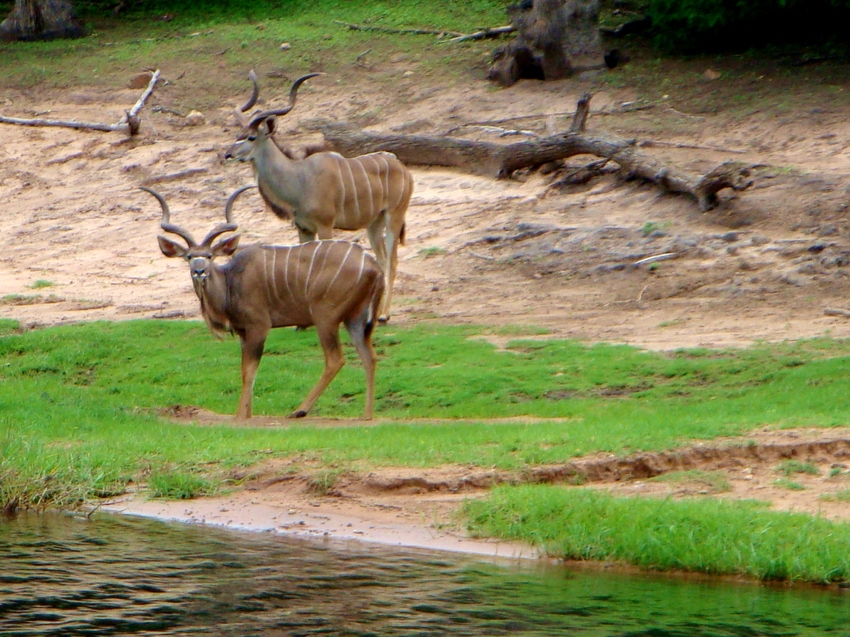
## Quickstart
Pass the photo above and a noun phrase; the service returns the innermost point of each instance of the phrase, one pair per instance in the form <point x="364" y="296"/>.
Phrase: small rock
<point x="729" y="237"/>
<point x="195" y="118"/>
<point x="407" y="73"/>
<point x="711" y="75"/>
<point x="285" y="46"/>
<point x="141" y="80"/>
<point x="759" y="240"/>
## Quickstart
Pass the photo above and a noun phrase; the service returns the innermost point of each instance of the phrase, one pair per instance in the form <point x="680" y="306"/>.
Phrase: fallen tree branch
<point x="650" y="143"/>
<point x="129" y="123"/>
<point x="143" y="98"/>
<point x="578" y="176"/>
<point x="368" y="27"/>
<point x="625" y="107"/>
<point x="832" y="311"/>
<point x="488" y="32"/>
<point x="150" y="181"/>
<point x="63" y="123"/>
<point x="501" y="160"/>
<point x="655" y="259"/>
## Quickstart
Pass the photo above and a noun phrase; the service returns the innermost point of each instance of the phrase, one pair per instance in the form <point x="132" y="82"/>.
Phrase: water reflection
<point x="125" y="576"/>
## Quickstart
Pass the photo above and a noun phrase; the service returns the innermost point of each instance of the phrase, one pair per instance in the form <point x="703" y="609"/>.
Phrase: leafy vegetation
<point x="709" y="25"/>
<point x="716" y="537"/>
<point x="790" y="467"/>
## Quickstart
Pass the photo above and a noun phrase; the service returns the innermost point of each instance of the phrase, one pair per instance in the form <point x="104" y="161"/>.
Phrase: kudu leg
<point x="361" y="337"/>
<point x="377" y="237"/>
<point x="334" y="360"/>
<point x="389" y="277"/>
<point x="252" y="352"/>
<point x="305" y="235"/>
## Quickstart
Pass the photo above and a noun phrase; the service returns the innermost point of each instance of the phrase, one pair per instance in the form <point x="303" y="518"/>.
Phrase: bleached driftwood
<point x="129" y="123"/>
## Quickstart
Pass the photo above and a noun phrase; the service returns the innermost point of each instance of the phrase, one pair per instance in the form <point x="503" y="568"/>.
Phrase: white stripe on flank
<point x="356" y="197"/>
<point x="274" y="275"/>
<point x="339" y="269"/>
<point x="310" y="271"/>
<point x="267" y="276"/>
<point x="402" y="185"/>
<point x="386" y="198"/>
<point x="286" y="274"/>
<point x="368" y="183"/>
<point x="340" y="209"/>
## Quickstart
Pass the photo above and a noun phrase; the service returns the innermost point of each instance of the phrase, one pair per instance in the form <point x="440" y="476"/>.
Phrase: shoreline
<point x="320" y="520"/>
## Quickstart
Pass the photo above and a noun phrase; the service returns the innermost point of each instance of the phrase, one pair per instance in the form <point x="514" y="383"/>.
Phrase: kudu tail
<point x="374" y="305"/>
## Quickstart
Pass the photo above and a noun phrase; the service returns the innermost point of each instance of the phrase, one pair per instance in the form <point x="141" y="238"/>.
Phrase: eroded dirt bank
<point x="795" y="470"/>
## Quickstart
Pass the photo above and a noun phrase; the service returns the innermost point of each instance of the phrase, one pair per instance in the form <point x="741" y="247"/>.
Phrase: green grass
<point x="177" y="485"/>
<point x="790" y="467"/>
<point x="29" y="299"/>
<point x="839" y="496"/>
<point x="706" y="536"/>
<point x="790" y="485"/>
<point x="705" y="481"/>
<point x="233" y="37"/>
<point x="80" y="404"/>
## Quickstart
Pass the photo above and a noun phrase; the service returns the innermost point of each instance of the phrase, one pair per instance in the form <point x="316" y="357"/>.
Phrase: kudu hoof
<point x="298" y="414"/>
<point x="383" y="320"/>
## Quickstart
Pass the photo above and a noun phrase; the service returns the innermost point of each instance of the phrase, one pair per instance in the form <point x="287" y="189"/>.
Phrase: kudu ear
<point x="171" y="248"/>
<point x="226" y="247"/>
<point x="268" y="125"/>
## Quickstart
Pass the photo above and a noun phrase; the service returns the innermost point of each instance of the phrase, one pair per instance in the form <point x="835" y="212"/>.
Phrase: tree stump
<point x="555" y="39"/>
<point x="41" y="20"/>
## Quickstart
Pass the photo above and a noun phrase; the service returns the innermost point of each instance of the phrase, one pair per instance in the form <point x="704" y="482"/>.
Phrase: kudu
<point x="325" y="190"/>
<point x="321" y="283"/>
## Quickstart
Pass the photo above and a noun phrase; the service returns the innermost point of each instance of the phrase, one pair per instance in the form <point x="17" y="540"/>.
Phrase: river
<point x="113" y="575"/>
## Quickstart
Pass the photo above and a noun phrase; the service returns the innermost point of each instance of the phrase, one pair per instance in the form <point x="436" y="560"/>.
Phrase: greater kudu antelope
<point x="321" y="283"/>
<point x="325" y="190"/>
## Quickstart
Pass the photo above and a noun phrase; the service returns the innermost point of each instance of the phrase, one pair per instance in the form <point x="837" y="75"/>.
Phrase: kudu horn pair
<point x="321" y="283"/>
<point x="325" y="190"/>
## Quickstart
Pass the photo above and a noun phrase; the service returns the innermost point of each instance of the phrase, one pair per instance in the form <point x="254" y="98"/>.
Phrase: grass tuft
<point x="791" y="467"/>
<point x="705" y="481"/>
<point x="707" y="536"/>
<point x="178" y="486"/>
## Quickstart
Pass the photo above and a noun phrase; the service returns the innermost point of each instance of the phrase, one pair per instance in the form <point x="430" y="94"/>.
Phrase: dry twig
<point x="129" y="123"/>
<point x="488" y="32"/>
<point x="367" y="27"/>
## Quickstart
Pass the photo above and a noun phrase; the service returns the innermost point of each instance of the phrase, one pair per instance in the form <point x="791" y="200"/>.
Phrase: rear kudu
<point x="321" y="283"/>
<point x="325" y="190"/>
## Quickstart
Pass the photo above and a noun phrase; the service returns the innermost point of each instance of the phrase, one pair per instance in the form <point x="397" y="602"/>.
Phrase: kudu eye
<point x="251" y="138"/>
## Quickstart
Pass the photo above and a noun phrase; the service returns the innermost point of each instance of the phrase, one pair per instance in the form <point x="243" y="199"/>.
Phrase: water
<point x="126" y="576"/>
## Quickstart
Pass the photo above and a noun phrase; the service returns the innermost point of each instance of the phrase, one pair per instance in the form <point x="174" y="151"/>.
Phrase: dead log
<point x="129" y="123"/>
<point x="502" y="160"/>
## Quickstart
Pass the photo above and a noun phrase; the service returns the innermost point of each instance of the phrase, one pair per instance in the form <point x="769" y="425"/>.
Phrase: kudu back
<point x="321" y="283"/>
<point x="326" y="190"/>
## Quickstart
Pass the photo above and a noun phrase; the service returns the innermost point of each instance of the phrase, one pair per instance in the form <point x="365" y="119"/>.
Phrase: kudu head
<point x="262" y="124"/>
<point x="199" y="255"/>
